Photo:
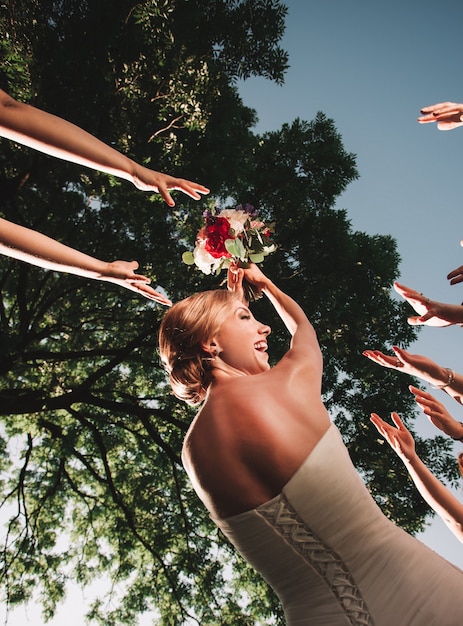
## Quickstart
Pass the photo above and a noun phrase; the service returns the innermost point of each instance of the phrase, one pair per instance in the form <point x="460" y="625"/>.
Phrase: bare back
<point x="253" y="433"/>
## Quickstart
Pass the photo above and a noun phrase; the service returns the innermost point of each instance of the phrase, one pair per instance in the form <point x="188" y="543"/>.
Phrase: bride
<point x="272" y="470"/>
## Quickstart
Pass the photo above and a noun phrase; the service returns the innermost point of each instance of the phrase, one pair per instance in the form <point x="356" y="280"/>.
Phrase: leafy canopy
<point x="91" y="482"/>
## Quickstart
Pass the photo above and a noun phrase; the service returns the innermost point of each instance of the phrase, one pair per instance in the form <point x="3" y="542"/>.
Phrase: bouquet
<point x="231" y="236"/>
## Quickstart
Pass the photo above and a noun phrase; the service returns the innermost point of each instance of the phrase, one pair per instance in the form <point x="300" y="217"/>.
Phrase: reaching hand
<point x="122" y="273"/>
<point x="437" y="413"/>
<point x="412" y="364"/>
<point x="430" y="312"/>
<point x="448" y="115"/>
<point x="150" y="180"/>
<point x="398" y="437"/>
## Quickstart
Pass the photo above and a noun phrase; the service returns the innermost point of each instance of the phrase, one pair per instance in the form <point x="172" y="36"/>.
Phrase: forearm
<point x="452" y="313"/>
<point x="289" y="311"/>
<point x="451" y="382"/>
<point x="437" y="495"/>
<point x="51" y="134"/>
<point x="28" y="245"/>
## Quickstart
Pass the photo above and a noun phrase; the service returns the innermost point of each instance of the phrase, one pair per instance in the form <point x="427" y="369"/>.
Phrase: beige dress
<point x="334" y="559"/>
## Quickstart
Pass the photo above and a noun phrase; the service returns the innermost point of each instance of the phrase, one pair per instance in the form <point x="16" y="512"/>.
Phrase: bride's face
<point x="242" y="341"/>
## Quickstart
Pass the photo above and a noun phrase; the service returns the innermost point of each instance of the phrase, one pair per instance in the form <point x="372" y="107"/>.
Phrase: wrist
<point x="460" y="436"/>
<point x="410" y="460"/>
<point x="449" y="379"/>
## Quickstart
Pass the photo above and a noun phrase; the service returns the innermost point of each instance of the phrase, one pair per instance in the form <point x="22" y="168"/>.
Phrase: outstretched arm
<point x="53" y="135"/>
<point x="433" y="491"/>
<point x="33" y="247"/>
<point x="448" y="115"/>
<point x="430" y="312"/>
<point x="431" y="372"/>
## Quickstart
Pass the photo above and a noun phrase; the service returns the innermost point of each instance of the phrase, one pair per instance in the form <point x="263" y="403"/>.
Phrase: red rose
<point x="217" y="232"/>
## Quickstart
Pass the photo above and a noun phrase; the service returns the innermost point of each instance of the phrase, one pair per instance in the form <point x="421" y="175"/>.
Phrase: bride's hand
<point x="235" y="280"/>
<point x="252" y="274"/>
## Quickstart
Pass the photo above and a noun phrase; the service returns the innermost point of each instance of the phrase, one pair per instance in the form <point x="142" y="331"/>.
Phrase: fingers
<point x="429" y="316"/>
<point x="397" y="421"/>
<point x="168" y="183"/>
<point x="425" y="400"/>
<point x="448" y="115"/>
<point x="234" y="278"/>
<point x="437" y="413"/>
<point x="434" y="409"/>
<point x="124" y="270"/>
<point x="148" y="292"/>
<point x="441" y="108"/>
<point x="429" y="319"/>
<point x="190" y="189"/>
<point x="415" y="321"/>
<point x="418" y="301"/>
<point x="138" y="279"/>
<point x="193" y="189"/>
<point x="122" y="273"/>
<point x="456" y="275"/>
<point x="390" y="433"/>
<point x="402" y="355"/>
<point x="416" y="391"/>
<point x="165" y="195"/>
<point x="394" y="362"/>
<point x="408" y="293"/>
<point x="379" y="423"/>
<point x="436" y="107"/>
<point x="449" y="125"/>
<point x="377" y="357"/>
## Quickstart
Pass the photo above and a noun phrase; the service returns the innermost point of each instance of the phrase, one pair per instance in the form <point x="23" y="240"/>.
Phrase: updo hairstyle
<point x="186" y="327"/>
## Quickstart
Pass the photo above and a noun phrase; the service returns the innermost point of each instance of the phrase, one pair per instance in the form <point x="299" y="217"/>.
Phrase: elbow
<point x="6" y="101"/>
<point x="456" y="526"/>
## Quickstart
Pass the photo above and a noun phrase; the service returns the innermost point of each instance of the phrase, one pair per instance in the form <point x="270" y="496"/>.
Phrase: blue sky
<point x="370" y="66"/>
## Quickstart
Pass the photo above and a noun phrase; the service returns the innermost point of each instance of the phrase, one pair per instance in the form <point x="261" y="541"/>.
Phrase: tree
<point x="91" y="479"/>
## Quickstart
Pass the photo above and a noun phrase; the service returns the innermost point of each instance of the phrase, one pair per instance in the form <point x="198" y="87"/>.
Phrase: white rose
<point x="237" y="219"/>
<point x="205" y="261"/>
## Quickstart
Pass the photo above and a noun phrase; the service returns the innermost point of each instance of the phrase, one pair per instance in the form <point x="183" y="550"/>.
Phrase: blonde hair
<point x="185" y="328"/>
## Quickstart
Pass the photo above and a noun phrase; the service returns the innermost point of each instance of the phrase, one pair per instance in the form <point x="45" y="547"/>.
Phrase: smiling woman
<point x="260" y="454"/>
<point x="240" y="344"/>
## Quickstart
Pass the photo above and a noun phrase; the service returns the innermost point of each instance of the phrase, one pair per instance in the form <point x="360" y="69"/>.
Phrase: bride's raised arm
<point x="296" y="321"/>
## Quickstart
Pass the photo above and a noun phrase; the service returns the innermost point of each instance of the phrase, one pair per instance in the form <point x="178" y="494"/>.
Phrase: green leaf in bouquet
<point x="257" y="257"/>
<point x="235" y="248"/>
<point x="188" y="258"/>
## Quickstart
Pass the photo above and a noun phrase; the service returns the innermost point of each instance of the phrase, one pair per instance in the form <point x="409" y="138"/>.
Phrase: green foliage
<point x="90" y="476"/>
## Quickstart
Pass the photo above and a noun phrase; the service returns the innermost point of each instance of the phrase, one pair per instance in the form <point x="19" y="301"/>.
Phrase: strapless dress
<point x="334" y="559"/>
